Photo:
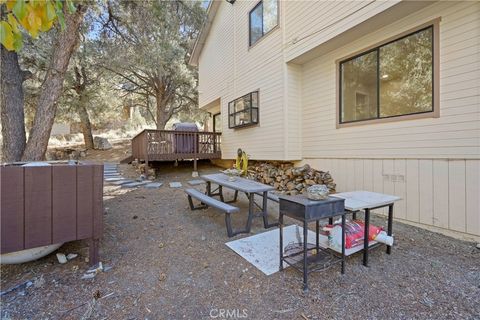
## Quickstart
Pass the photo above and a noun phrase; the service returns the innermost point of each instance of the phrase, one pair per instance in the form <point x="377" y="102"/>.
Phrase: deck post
<point x="195" y="153"/>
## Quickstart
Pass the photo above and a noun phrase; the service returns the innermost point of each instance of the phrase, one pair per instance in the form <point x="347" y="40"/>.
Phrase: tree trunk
<point x="162" y="115"/>
<point x="11" y="105"/>
<point x="85" y="124"/>
<point x="65" y="44"/>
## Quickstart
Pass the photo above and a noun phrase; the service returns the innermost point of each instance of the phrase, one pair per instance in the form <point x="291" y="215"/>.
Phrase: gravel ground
<point x="171" y="263"/>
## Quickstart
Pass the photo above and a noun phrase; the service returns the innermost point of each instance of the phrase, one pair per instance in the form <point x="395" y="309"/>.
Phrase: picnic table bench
<point x="238" y="184"/>
<point x="211" y="202"/>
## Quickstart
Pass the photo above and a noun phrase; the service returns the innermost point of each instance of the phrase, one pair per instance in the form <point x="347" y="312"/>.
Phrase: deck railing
<point x="157" y="145"/>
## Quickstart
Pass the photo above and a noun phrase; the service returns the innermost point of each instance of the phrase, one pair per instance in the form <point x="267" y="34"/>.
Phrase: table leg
<point x="354" y="215"/>
<point x="220" y="193"/>
<point x="209" y="188"/>
<point x="343" y="243"/>
<point x="365" y="240"/>
<point x="264" y="210"/>
<point x="390" y="225"/>
<point x="317" y="231"/>
<point x="266" y="225"/>
<point x="280" y="225"/>
<point x="251" y="209"/>
<point x="305" y="247"/>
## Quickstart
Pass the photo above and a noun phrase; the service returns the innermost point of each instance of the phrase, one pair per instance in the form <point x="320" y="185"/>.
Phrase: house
<point x="383" y="94"/>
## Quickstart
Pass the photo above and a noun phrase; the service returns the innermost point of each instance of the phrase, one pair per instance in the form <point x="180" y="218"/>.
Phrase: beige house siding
<point x="216" y="61"/>
<point x="311" y="23"/>
<point x="455" y="135"/>
<point x="432" y="163"/>
<point x="293" y="112"/>
<point x="436" y="192"/>
<point x="229" y="69"/>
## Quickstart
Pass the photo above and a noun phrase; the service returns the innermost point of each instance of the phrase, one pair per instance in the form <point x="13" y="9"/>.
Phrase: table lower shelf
<point x="319" y="261"/>
<point x="323" y="242"/>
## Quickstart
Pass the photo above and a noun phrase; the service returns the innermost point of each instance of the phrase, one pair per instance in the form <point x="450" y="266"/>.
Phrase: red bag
<point x="354" y="233"/>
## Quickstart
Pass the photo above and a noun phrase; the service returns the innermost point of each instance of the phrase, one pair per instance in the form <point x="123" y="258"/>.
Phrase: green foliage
<point x="34" y="16"/>
<point x="127" y="51"/>
<point x="146" y="46"/>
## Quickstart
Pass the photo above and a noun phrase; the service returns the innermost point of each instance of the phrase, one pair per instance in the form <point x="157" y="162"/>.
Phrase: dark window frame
<point x="249" y="109"/>
<point x="219" y="114"/>
<point x="434" y="113"/>
<point x="250" y="44"/>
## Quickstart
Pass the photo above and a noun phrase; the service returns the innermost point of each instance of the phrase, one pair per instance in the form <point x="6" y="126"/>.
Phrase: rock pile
<point x="289" y="179"/>
<point x="65" y="154"/>
<point x="101" y="143"/>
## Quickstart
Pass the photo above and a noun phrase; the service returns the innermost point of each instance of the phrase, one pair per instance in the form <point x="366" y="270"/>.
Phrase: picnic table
<point x="365" y="201"/>
<point x="249" y="187"/>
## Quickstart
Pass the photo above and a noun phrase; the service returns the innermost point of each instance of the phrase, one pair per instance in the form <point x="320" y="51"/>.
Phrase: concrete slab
<point x="111" y="173"/>
<point x="175" y="185"/>
<point x="121" y="182"/>
<point x="133" y="184"/>
<point x="196" y="182"/>
<point x="153" y="185"/>
<point x="113" y="179"/>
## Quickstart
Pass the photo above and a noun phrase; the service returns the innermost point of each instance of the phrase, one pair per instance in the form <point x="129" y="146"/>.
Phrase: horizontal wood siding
<point x="215" y="65"/>
<point x="293" y="112"/>
<point x="455" y="134"/>
<point x="435" y="192"/>
<point x="229" y="68"/>
<point x="311" y="23"/>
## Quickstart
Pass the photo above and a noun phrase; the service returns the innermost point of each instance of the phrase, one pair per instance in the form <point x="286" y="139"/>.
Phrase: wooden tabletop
<point x="359" y="200"/>
<point x="240" y="184"/>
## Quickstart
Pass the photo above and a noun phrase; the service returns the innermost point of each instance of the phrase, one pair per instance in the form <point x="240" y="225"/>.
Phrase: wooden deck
<point x="169" y="145"/>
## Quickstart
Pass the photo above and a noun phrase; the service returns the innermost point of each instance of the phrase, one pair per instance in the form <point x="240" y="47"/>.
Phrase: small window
<point x="243" y="111"/>
<point x="263" y="18"/>
<point x="391" y="80"/>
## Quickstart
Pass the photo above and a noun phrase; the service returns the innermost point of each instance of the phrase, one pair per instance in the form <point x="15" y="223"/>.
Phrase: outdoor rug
<point x="263" y="250"/>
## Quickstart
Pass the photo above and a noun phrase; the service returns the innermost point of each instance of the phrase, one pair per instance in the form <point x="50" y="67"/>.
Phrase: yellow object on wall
<point x="242" y="163"/>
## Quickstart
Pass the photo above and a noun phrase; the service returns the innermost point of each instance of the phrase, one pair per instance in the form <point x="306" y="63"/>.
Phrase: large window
<point x="391" y="80"/>
<point x="243" y="111"/>
<point x="263" y="18"/>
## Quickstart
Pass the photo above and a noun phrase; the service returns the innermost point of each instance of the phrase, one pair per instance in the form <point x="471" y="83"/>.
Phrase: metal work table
<point x="305" y="210"/>
<point x="365" y="201"/>
<point x="249" y="187"/>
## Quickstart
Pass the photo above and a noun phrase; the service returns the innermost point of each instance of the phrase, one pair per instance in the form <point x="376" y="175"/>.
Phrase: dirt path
<point x="171" y="263"/>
